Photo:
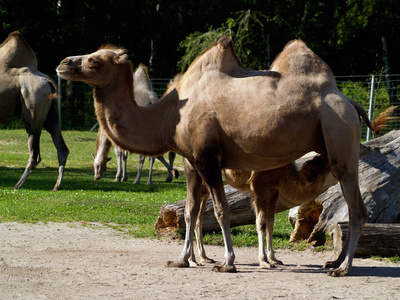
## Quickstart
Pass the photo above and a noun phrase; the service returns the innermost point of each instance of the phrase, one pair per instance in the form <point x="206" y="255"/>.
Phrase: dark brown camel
<point x="27" y="92"/>
<point x="224" y="116"/>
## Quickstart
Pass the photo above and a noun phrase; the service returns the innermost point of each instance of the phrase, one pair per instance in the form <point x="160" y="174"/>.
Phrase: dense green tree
<point x="352" y="36"/>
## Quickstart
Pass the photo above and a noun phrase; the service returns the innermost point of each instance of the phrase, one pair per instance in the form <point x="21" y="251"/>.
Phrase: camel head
<point x="96" y="69"/>
<point x="99" y="166"/>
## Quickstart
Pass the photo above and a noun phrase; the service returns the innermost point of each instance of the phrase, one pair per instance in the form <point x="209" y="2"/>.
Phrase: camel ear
<point x="120" y="58"/>
<point x="109" y="158"/>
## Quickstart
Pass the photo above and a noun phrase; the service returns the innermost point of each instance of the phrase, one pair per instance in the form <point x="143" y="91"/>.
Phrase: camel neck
<point x="103" y="145"/>
<point x="131" y="127"/>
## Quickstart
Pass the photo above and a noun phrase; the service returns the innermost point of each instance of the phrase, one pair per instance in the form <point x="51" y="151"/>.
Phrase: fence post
<point x="59" y="99"/>
<point x="371" y="98"/>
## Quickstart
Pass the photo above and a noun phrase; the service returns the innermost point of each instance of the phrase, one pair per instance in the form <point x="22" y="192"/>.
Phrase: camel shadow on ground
<point x="357" y="271"/>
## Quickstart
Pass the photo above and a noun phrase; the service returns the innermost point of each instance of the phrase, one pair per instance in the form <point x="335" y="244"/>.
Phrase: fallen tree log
<point x="375" y="239"/>
<point x="379" y="177"/>
<point x="171" y="218"/>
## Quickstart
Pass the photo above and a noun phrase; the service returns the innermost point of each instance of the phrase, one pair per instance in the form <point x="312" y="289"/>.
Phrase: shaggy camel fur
<point x="27" y="92"/>
<point x="297" y="107"/>
<point x="144" y="96"/>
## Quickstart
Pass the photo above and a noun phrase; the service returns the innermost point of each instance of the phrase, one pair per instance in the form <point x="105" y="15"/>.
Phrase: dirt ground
<point x="71" y="261"/>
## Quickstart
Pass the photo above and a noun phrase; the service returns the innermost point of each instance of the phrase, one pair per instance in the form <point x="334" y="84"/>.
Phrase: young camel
<point x="144" y="96"/>
<point x="297" y="107"/>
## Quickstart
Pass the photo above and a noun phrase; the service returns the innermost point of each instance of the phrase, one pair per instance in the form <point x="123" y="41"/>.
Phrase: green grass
<point x="122" y="206"/>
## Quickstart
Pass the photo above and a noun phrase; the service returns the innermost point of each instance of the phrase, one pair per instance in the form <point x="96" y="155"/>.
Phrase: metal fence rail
<point x="374" y="92"/>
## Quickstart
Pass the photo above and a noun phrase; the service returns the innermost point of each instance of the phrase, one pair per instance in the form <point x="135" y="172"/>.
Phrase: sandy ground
<point x="71" y="261"/>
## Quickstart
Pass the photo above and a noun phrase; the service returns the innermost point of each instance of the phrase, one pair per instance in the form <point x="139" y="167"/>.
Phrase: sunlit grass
<point x="123" y="206"/>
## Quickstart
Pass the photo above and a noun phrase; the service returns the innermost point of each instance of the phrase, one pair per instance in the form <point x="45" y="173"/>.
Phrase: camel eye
<point x="93" y="61"/>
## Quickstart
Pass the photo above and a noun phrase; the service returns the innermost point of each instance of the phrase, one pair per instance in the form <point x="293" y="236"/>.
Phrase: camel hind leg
<point x="192" y="208"/>
<point x="34" y="157"/>
<point x="341" y="131"/>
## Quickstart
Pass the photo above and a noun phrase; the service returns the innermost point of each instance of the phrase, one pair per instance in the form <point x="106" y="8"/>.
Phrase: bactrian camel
<point x="224" y="116"/>
<point x="144" y="96"/>
<point x="31" y="94"/>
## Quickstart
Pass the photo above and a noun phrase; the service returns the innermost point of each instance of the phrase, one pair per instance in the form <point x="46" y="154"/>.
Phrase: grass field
<point x="123" y="206"/>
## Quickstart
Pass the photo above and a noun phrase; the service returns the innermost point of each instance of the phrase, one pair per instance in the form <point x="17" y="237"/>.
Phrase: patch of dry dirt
<point x="70" y="261"/>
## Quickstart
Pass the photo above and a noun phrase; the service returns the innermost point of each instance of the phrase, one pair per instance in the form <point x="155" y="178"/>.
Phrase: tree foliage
<point x="246" y="31"/>
<point x="347" y="34"/>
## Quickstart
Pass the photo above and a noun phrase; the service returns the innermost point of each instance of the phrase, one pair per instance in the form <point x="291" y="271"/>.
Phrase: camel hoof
<point x="331" y="264"/>
<point x="265" y="264"/>
<point x="338" y="273"/>
<point x="177" y="264"/>
<point x="277" y="263"/>
<point x="225" y="269"/>
<point x="207" y="260"/>
<point x="175" y="173"/>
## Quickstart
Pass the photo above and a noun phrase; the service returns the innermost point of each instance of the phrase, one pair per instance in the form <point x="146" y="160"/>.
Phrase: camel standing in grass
<point x="144" y="96"/>
<point x="27" y="92"/>
<point x="284" y="113"/>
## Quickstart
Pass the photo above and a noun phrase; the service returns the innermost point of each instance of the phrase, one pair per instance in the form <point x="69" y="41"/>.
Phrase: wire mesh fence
<point x="374" y="92"/>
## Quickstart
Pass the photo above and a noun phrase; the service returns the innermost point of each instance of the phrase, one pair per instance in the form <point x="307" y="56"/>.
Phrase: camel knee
<point x="221" y="216"/>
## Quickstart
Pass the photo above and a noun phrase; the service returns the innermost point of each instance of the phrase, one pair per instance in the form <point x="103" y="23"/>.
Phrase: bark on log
<point x="171" y="218"/>
<point x="375" y="239"/>
<point x="379" y="170"/>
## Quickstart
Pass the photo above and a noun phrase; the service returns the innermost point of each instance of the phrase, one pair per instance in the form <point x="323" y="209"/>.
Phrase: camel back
<point x="221" y="57"/>
<point x="16" y="53"/>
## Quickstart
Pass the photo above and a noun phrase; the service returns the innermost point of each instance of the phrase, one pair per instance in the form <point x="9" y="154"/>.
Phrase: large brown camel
<point x="144" y="96"/>
<point x="27" y="92"/>
<point x="284" y="113"/>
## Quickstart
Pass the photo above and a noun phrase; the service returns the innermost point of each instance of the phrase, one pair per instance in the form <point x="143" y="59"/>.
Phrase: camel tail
<point x="53" y="95"/>
<point x="383" y="119"/>
<point x="380" y="122"/>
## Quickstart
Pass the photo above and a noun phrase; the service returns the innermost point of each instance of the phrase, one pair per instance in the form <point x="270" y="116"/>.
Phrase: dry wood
<point x="376" y="239"/>
<point x="379" y="169"/>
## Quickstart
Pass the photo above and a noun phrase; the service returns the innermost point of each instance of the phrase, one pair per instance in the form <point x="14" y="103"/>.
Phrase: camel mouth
<point x="65" y="74"/>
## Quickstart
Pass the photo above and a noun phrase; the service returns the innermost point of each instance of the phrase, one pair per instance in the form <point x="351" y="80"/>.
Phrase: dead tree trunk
<point x="379" y="170"/>
<point x="375" y="239"/>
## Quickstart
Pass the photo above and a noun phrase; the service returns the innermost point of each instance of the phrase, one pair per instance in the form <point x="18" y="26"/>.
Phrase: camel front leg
<point x="192" y="208"/>
<point x="170" y="167"/>
<point x="150" y="180"/>
<point x="199" y="229"/>
<point x="124" y="161"/>
<point x="140" y="168"/>
<point x="121" y="165"/>
<point x="62" y="154"/>
<point x="209" y="169"/>
<point x="265" y="200"/>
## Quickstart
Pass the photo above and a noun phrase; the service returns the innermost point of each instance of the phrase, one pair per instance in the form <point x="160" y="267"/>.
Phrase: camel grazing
<point x="144" y="96"/>
<point x="27" y="92"/>
<point x="284" y="113"/>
